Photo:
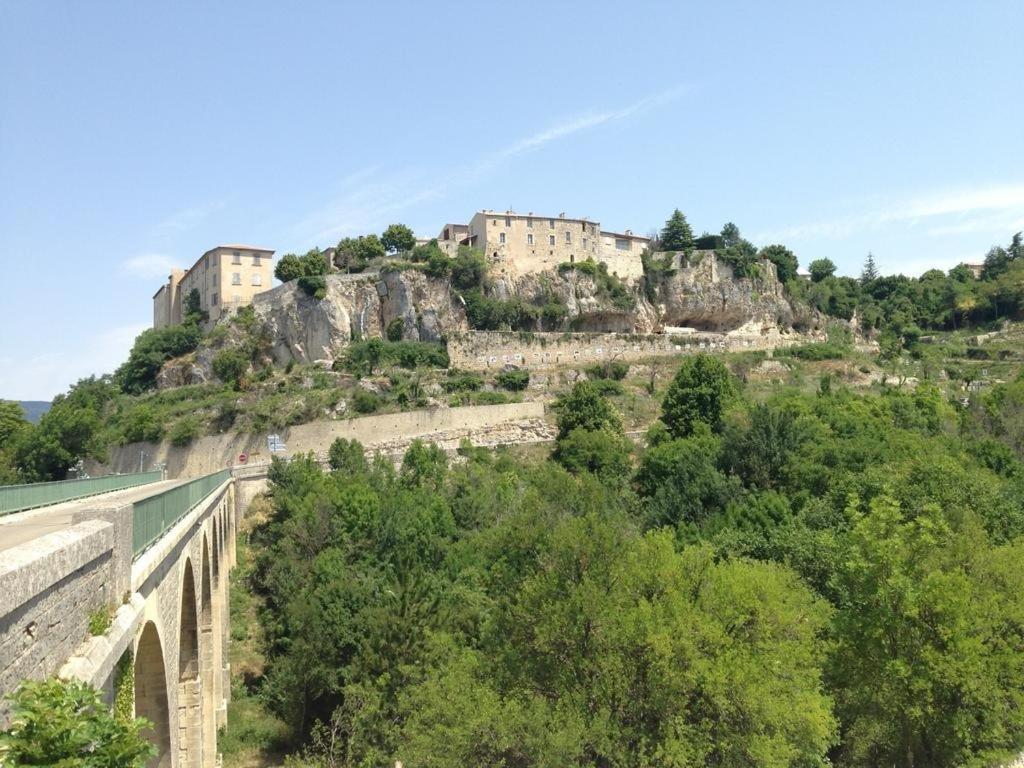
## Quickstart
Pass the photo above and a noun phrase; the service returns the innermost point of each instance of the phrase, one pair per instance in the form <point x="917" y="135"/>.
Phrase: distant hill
<point x="34" y="409"/>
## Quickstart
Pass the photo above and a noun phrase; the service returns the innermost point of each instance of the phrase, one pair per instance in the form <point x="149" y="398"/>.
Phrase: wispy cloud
<point x="149" y="265"/>
<point x="365" y="205"/>
<point x="44" y="376"/>
<point x="994" y="209"/>
<point x="190" y="218"/>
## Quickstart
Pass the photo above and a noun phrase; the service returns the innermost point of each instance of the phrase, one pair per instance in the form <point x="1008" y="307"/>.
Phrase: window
<point x="584" y="243"/>
<point x="255" y="260"/>
<point x="568" y="236"/>
<point x="551" y="239"/>
<point x="236" y="257"/>
<point x="215" y="276"/>
<point x="257" y="279"/>
<point x="551" y="223"/>
<point x="529" y="239"/>
<point x="236" y="278"/>
<point x="621" y="244"/>
<point x="237" y="298"/>
<point x="508" y="221"/>
<point x="213" y="300"/>
<point x="529" y="223"/>
<point x="501" y="238"/>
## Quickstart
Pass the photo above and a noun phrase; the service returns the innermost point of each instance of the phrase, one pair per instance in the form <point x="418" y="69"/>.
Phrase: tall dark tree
<point x="870" y="271"/>
<point x="676" y="235"/>
<point x="730" y="235"/>
<point x="699" y="393"/>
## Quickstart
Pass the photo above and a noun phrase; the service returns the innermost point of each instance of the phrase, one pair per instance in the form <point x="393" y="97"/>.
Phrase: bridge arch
<point x="151" y="694"/>
<point x="208" y="653"/>
<point x="189" y="682"/>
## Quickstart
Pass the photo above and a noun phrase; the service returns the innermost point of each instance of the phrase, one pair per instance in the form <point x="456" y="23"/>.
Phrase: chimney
<point x="561" y="215"/>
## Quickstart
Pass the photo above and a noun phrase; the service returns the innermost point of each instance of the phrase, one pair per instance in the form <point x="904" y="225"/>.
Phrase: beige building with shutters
<point x="226" y="277"/>
<point x="519" y="243"/>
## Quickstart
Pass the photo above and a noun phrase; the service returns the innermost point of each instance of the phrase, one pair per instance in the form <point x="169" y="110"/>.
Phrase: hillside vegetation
<point x="780" y="578"/>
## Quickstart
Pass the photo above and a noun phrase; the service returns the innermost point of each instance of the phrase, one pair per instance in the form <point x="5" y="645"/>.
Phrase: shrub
<point x="468" y="268"/>
<point x="438" y="264"/>
<point x="395" y="329"/>
<point x="462" y="381"/>
<point x="153" y="347"/>
<point x="364" y="401"/>
<point x="354" y="254"/>
<point x="230" y="365"/>
<point x="184" y="431"/>
<point x="825" y="350"/>
<point x="142" y="425"/>
<point x="65" y="723"/>
<point x="313" y="285"/>
<point x="610" y="369"/>
<point x="701" y="389"/>
<point x="608" y="387"/>
<point x="514" y="381"/>
<point x="99" y="621"/>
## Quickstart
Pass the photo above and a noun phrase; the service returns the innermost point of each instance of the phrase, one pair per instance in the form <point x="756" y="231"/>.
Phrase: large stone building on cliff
<point x="522" y="243"/>
<point x="226" y="278"/>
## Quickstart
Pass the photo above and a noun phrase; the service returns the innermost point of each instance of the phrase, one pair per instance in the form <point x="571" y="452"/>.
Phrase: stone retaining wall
<point x="493" y="350"/>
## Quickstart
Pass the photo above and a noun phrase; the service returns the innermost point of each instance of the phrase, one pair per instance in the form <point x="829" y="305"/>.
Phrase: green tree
<point x="585" y="408"/>
<point x="14" y="428"/>
<point x="289" y="267"/>
<point x="58" y="723"/>
<point x="730" y="235"/>
<point x="926" y="668"/>
<point x="354" y="254"/>
<point x="676" y="235"/>
<point x="679" y="482"/>
<point x="193" y="308"/>
<point x="152" y="348"/>
<point x="699" y="393"/>
<point x="603" y="452"/>
<point x="870" y="271"/>
<point x="784" y="260"/>
<point x="398" y="238"/>
<point x="347" y="456"/>
<point x="468" y="268"/>
<point x="821" y="269"/>
<point x="313" y="263"/>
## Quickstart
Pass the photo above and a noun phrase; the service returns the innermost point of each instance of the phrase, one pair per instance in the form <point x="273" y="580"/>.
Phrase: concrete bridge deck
<point x="21" y="527"/>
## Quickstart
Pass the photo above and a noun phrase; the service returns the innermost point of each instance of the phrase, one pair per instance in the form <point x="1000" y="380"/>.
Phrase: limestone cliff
<point x="703" y="295"/>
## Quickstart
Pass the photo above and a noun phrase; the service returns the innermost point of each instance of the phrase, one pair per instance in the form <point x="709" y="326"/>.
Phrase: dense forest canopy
<point x="813" y="579"/>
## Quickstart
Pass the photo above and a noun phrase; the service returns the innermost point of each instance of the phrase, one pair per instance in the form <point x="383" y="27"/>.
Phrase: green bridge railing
<point x="15" y="498"/>
<point x="153" y="516"/>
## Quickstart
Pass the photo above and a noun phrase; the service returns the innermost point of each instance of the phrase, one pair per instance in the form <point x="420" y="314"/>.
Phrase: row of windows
<point x="551" y="225"/>
<point x="551" y="239"/>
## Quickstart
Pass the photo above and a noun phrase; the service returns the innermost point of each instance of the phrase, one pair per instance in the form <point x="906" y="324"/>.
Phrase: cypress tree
<point x="676" y="234"/>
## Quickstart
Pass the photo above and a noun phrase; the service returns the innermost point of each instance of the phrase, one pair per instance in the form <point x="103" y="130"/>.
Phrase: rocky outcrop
<point x="707" y="296"/>
<point x="703" y="295"/>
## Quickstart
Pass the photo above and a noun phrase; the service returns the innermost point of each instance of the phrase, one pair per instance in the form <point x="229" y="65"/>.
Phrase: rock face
<point x="304" y="328"/>
<point x="708" y="297"/>
<point x="702" y="296"/>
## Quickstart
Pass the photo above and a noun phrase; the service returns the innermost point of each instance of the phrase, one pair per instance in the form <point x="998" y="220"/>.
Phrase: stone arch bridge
<point x="128" y="591"/>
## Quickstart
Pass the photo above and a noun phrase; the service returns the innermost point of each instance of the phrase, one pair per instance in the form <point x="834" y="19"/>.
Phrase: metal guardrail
<point x="153" y="516"/>
<point x="16" y="498"/>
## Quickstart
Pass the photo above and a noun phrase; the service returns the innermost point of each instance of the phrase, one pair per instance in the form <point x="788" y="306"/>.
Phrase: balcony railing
<point x="153" y="516"/>
<point x="15" y="498"/>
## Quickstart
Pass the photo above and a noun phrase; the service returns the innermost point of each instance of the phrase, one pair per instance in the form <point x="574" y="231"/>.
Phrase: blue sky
<point x="134" y="136"/>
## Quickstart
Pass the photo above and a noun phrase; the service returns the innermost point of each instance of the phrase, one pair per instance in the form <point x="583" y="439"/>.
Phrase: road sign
<point x="242" y="458"/>
<point x="275" y="444"/>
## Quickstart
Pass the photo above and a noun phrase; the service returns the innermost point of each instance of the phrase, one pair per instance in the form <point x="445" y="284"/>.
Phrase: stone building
<point x="522" y="243"/>
<point x="227" y="277"/>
